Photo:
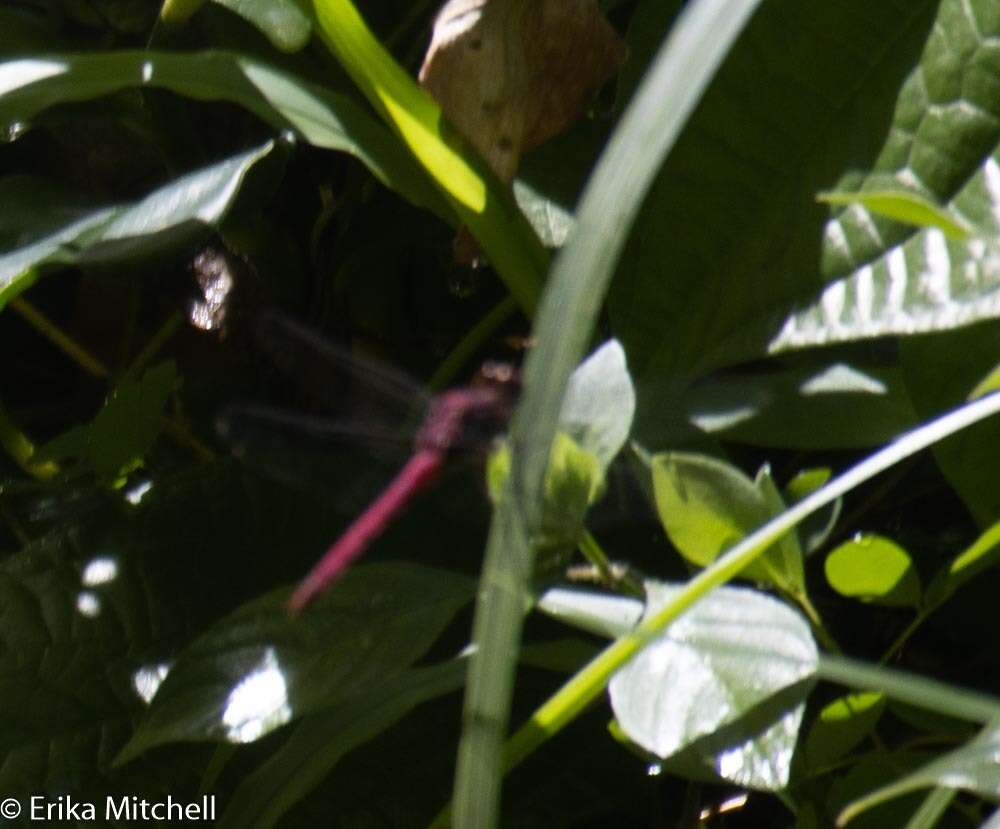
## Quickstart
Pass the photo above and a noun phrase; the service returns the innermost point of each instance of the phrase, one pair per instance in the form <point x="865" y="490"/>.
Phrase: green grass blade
<point x="679" y="74"/>
<point x="477" y="197"/>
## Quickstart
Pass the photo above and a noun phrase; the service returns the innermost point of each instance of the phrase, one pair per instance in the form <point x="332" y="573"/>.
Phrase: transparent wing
<point x="331" y="374"/>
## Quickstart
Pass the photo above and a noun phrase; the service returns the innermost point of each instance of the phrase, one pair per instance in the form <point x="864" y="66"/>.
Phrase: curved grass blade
<point x="680" y="73"/>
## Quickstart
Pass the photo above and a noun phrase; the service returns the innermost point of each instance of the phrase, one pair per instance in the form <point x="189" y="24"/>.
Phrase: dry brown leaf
<point x="510" y="74"/>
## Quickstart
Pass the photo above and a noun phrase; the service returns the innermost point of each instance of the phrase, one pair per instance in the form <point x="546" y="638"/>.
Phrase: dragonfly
<point x="458" y="418"/>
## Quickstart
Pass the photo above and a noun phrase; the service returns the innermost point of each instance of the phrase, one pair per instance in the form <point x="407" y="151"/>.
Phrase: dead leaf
<point x="511" y="74"/>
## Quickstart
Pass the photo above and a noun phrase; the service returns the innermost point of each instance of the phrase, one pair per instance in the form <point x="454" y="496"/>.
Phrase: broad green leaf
<point x="730" y="237"/>
<point x="812" y="404"/>
<point x="942" y="370"/>
<point x="599" y="405"/>
<point x="92" y="613"/>
<point x="176" y="12"/>
<point x="116" y="441"/>
<point x="707" y="505"/>
<point x="97" y="235"/>
<point x="980" y="556"/>
<point x="874" y="569"/>
<point x="903" y="206"/>
<point x="321" y="117"/>
<point x="886" y="278"/>
<point x="260" y="668"/>
<point x="321" y="740"/>
<point x="840" y="726"/>
<point x="732" y="655"/>
<point x="972" y="768"/>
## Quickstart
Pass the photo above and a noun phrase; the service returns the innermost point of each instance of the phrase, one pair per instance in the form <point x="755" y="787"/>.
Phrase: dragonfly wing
<point x="311" y="453"/>
<point x="322" y="368"/>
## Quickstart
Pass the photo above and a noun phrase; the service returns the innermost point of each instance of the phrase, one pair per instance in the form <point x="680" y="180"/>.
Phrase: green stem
<point x="55" y="335"/>
<point x="153" y="347"/>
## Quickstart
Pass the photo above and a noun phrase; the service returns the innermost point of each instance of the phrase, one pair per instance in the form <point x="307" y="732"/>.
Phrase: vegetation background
<point x="786" y="213"/>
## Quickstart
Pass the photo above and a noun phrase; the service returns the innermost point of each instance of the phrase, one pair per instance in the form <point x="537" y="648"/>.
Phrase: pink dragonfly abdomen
<point x="418" y="473"/>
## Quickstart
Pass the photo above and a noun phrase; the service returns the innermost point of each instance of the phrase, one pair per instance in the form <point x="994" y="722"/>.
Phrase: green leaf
<point x="806" y="482"/>
<point x="941" y="371"/>
<point x="733" y="654"/>
<point x="874" y="569"/>
<point x="92" y="613"/>
<point x="883" y="277"/>
<point x="785" y="563"/>
<point x="707" y="505"/>
<point x="816" y="529"/>
<point x="599" y="613"/>
<point x="320" y="741"/>
<point x="116" y="441"/>
<point x="319" y="116"/>
<point x="981" y="555"/>
<point x="840" y="726"/>
<point x="286" y="23"/>
<point x="166" y="217"/>
<point x="730" y="239"/>
<point x="551" y="221"/>
<point x="599" y="405"/>
<point x="903" y="206"/>
<point x="573" y="482"/>
<point x="260" y="667"/>
<point x="973" y="768"/>
<point x="821" y="403"/>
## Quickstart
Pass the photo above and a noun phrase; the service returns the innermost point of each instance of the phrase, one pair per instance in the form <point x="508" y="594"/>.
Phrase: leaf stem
<point x="60" y="339"/>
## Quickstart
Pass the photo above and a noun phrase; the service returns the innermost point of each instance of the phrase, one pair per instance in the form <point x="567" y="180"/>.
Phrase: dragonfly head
<point x="472" y="416"/>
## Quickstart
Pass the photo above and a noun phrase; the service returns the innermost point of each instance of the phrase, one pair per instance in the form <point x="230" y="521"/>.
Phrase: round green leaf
<point x="874" y="569"/>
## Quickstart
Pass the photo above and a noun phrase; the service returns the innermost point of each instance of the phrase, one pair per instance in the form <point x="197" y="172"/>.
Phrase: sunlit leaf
<point x="286" y="23"/>
<point x="874" y="569"/>
<point x="260" y="668"/>
<point x="121" y="434"/>
<point x="736" y="655"/>
<point x="319" y="116"/>
<point x="599" y="405"/>
<point x="320" y="741"/>
<point x="980" y="556"/>
<point x="973" y="768"/>
<point x="841" y="725"/>
<point x="903" y="206"/>
<point x="166" y="217"/>
<point x="707" y="505"/>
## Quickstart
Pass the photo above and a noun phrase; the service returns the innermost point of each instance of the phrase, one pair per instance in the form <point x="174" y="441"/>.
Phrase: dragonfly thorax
<point x="465" y="417"/>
